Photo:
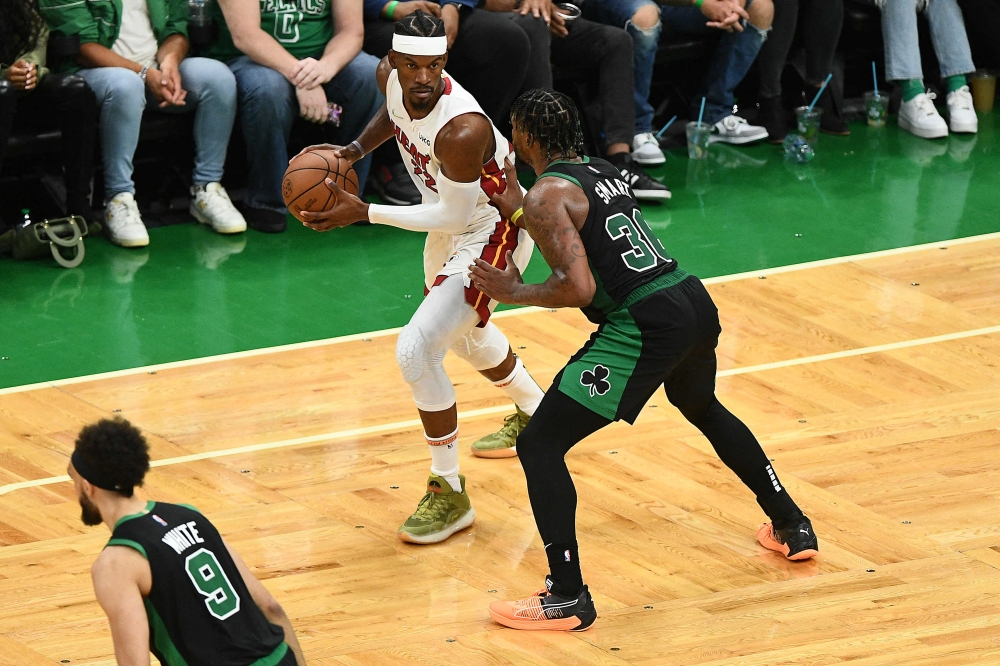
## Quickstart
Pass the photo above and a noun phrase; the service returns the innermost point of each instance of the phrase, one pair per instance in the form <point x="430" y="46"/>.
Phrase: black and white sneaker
<point x="796" y="542"/>
<point x="642" y="185"/>
<point x="393" y="183"/>
<point x="547" y="610"/>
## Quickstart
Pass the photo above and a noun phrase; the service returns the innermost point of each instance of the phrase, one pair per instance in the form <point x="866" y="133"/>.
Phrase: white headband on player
<point x="420" y="46"/>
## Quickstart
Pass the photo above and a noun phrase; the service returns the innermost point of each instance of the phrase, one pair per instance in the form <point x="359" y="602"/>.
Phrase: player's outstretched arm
<point x="268" y="605"/>
<point x="120" y="576"/>
<point x="554" y="210"/>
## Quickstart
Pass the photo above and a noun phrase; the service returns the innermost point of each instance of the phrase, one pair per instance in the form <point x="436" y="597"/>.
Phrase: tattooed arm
<point x="554" y="211"/>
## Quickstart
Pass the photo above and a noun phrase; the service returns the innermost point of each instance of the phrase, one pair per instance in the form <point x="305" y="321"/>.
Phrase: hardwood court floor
<point x="893" y="453"/>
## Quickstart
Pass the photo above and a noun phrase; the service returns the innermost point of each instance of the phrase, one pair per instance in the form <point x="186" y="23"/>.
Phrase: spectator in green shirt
<point x="31" y="95"/>
<point x="294" y="57"/>
<point x="133" y="55"/>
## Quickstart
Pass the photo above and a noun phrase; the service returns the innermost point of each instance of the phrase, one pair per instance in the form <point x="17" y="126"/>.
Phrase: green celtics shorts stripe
<point x="598" y="377"/>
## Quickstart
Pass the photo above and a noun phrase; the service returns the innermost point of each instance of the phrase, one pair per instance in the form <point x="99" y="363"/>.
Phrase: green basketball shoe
<point x="441" y="513"/>
<point x="503" y="442"/>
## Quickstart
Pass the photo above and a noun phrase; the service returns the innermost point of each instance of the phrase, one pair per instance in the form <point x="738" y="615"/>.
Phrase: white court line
<point x="500" y="409"/>
<point x="506" y="313"/>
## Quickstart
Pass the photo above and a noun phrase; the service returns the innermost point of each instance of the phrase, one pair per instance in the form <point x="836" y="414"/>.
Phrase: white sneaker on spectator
<point x="961" y="114"/>
<point x="210" y="204"/>
<point x="122" y="222"/>
<point x="646" y="149"/>
<point x="737" y="131"/>
<point x="920" y="118"/>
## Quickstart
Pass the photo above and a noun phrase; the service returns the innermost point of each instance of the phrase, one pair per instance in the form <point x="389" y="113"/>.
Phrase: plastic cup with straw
<point x="876" y="105"/>
<point x="807" y="117"/>
<point x="698" y="135"/>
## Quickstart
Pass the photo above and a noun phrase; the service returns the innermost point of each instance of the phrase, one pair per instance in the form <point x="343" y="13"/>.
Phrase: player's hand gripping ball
<point x="304" y="188"/>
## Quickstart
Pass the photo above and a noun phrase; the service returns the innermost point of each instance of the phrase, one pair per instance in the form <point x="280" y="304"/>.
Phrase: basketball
<point x="304" y="187"/>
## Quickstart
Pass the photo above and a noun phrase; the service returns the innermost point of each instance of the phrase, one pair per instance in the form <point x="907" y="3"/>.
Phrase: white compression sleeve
<point x="451" y="214"/>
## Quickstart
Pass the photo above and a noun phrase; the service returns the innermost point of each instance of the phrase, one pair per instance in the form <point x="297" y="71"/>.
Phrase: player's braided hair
<point x="551" y="119"/>
<point x="419" y="24"/>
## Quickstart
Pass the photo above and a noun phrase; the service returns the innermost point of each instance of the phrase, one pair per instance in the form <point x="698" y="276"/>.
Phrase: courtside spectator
<point x="917" y="113"/>
<point x="745" y="25"/>
<point x="133" y="55"/>
<point x="294" y="59"/>
<point x="586" y="48"/>
<point x="820" y="21"/>
<point x="33" y="94"/>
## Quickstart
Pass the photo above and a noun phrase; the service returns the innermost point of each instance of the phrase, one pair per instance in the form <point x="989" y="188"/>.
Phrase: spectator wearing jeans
<point x="745" y="26"/>
<point x="917" y="113"/>
<point x="821" y="21"/>
<point x="29" y="92"/>
<point x="294" y="58"/>
<point x="133" y="53"/>
<point x="587" y="47"/>
<point x="487" y="55"/>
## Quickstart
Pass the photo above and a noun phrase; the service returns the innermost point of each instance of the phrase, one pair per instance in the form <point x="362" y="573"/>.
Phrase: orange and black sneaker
<point x="547" y="611"/>
<point x="795" y="542"/>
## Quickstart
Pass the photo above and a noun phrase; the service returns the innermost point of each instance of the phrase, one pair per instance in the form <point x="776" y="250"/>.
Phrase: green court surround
<point x="193" y="293"/>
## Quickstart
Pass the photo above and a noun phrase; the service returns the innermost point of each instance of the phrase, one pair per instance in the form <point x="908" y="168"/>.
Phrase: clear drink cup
<point x="876" y="109"/>
<point x="697" y="138"/>
<point x="808" y="123"/>
<point x="984" y="89"/>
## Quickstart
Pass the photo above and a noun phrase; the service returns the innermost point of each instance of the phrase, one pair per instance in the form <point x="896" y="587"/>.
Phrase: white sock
<point x="444" y="458"/>
<point x="521" y="388"/>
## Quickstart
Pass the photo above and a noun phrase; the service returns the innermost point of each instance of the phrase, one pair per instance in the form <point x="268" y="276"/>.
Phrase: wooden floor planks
<point x="893" y="454"/>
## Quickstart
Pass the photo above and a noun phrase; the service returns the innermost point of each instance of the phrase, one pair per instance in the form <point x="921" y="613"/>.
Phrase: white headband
<point x="420" y="46"/>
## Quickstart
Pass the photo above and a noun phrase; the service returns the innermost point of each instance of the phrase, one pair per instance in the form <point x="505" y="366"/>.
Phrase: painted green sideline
<point x="193" y="294"/>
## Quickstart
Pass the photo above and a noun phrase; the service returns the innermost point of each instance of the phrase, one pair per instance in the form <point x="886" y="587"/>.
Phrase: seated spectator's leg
<point x="489" y="59"/>
<point x="902" y="46"/>
<point x="822" y="21"/>
<point x="733" y="58"/>
<point x="74" y="103"/>
<point x="355" y="88"/>
<point x="211" y="95"/>
<point x="771" y="64"/>
<point x="641" y="18"/>
<point x="539" y="72"/>
<point x="267" y="108"/>
<point x="121" y="98"/>
<point x="8" y="102"/>
<point x="592" y="46"/>
<point x="951" y="45"/>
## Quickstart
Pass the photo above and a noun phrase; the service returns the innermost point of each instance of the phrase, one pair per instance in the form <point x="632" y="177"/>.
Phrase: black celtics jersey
<point x="199" y="610"/>
<point x="623" y="252"/>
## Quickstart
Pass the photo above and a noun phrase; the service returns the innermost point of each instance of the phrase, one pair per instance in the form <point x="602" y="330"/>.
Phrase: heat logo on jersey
<point x="418" y="161"/>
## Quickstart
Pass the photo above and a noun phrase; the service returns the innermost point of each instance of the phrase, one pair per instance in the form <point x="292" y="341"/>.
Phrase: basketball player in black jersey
<point x="167" y="581"/>
<point x="657" y="327"/>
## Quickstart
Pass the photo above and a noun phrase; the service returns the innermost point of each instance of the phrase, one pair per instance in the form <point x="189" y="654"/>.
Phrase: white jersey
<point x="488" y="236"/>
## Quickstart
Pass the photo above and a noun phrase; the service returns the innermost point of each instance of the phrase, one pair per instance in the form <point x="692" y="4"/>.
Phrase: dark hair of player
<point x="551" y="119"/>
<point x="117" y="451"/>
<point x="19" y="28"/>
<point x="419" y="24"/>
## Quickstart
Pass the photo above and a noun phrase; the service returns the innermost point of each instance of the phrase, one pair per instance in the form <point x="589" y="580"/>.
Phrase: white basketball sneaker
<point x="646" y="149"/>
<point x="920" y="118"/>
<point x="210" y="204"/>
<point x="736" y="131"/>
<point x="122" y="222"/>
<point x="961" y="114"/>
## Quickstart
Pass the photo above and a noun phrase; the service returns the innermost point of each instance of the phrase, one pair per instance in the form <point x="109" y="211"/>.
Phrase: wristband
<point x="390" y="8"/>
<point x="697" y="3"/>
<point x="142" y="73"/>
<point x="516" y="216"/>
<point x="361" y="150"/>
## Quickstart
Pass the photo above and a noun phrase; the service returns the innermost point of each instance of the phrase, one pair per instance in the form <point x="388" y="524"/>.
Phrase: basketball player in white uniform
<point x="456" y="158"/>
